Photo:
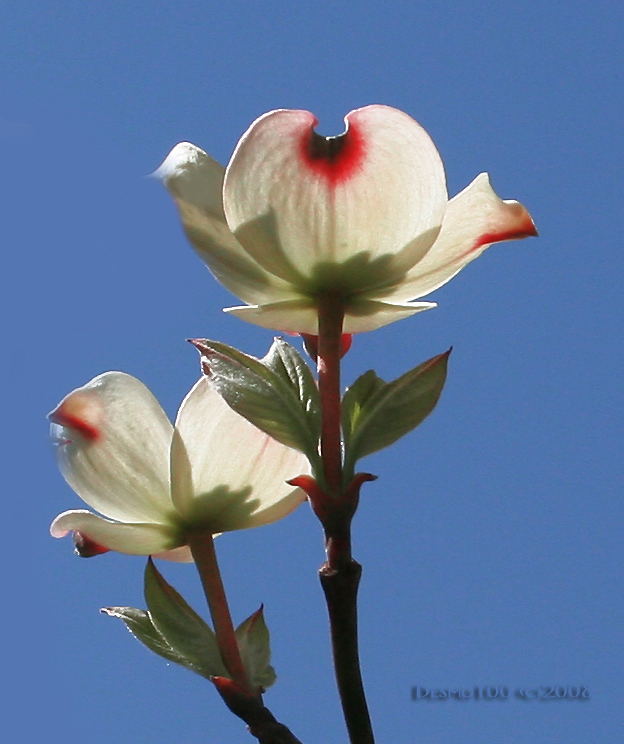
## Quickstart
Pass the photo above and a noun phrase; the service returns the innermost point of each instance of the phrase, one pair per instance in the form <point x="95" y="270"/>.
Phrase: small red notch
<point x="335" y="158"/>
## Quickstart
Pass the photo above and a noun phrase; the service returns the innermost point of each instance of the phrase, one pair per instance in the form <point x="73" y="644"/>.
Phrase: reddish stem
<point x="203" y="550"/>
<point x="331" y="315"/>
<point x="237" y="693"/>
<point x="335" y="505"/>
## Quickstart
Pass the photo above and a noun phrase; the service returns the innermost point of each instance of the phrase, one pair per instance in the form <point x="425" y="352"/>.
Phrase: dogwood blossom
<point x="154" y="482"/>
<point x="364" y="216"/>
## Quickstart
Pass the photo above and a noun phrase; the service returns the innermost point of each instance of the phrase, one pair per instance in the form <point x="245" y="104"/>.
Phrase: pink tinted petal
<point x="113" y="448"/>
<point x="475" y="219"/>
<point x="295" y="199"/>
<point x="135" y="539"/>
<point x="195" y="182"/>
<point x="238" y="471"/>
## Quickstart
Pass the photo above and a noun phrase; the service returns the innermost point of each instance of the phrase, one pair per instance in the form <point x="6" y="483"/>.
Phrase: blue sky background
<point x="491" y="543"/>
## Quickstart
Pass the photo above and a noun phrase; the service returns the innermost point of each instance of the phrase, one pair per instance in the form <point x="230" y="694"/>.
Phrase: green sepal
<point x="379" y="413"/>
<point x="171" y="628"/>
<point x="254" y="644"/>
<point x="263" y="396"/>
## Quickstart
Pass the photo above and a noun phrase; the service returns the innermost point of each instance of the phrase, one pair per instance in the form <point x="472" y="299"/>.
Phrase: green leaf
<point x="355" y="398"/>
<point x="206" y="347"/>
<point x="286" y="361"/>
<point x="171" y="629"/>
<point x="268" y="405"/>
<point x="182" y="628"/>
<point x="140" y="624"/>
<point x="254" y="644"/>
<point x="388" y="411"/>
<point x="260" y="395"/>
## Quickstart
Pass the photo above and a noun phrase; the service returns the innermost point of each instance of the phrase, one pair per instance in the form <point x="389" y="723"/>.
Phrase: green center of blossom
<point x="221" y="509"/>
<point x="352" y="278"/>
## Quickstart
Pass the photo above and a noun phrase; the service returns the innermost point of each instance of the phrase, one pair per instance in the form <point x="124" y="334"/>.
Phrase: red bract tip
<point x="335" y="158"/>
<point x="525" y="229"/>
<point x="78" y="413"/>
<point x="86" y="547"/>
<point x="71" y="422"/>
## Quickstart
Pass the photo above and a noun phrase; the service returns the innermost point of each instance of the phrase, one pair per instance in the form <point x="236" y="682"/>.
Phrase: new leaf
<point x="376" y="414"/>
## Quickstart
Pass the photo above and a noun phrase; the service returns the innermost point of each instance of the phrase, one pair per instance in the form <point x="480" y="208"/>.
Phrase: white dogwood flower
<point x="153" y="482"/>
<point x="364" y="216"/>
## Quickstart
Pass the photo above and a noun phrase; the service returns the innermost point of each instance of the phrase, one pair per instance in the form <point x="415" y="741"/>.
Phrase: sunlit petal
<point x="135" y="539"/>
<point x="195" y="181"/>
<point x="296" y="199"/>
<point x="272" y="512"/>
<point x="182" y="488"/>
<point x="368" y="315"/>
<point x="237" y="470"/>
<point x="302" y="317"/>
<point x="475" y="219"/>
<point x="294" y="316"/>
<point x="113" y="443"/>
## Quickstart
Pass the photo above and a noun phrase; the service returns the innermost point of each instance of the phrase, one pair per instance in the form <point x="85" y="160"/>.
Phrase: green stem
<point x="205" y="557"/>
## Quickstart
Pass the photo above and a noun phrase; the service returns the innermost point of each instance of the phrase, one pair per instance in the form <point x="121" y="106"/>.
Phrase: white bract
<point x="364" y="216"/>
<point x="154" y="482"/>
